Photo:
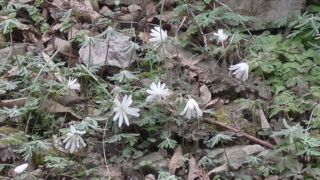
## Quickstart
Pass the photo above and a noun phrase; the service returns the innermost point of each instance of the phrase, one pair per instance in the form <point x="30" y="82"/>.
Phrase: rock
<point x="6" y="53"/>
<point x="266" y="11"/>
<point x="112" y="51"/>
<point x="236" y="155"/>
<point x="158" y="160"/>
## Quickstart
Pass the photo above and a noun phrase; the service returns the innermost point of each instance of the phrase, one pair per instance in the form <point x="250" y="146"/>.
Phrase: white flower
<point x="221" y="36"/>
<point x="20" y="169"/>
<point x="192" y="109"/>
<point x="241" y="71"/>
<point x="158" y="36"/>
<point x="74" y="140"/>
<point x="73" y="84"/>
<point x="122" y="109"/>
<point x="158" y="92"/>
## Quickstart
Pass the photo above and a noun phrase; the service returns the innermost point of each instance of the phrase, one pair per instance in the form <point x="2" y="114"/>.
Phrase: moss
<point x="2" y="39"/>
<point x="11" y="136"/>
<point x="223" y="115"/>
<point x="251" y="129"/>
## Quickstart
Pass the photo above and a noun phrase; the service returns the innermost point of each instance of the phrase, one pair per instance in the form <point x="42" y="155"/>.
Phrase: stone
<point x="266" y="11"/>
<point x="237" y="155"/>
<point x="6" y="54"/>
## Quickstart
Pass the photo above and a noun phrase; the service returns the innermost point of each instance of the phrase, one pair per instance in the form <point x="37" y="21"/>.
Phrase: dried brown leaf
<point x="64" y="47"/>
<point x="195" y="89"/>
<point x="263" y="120"/>
<point x="6" y="154"/>
<point x="205" y="94"/>
<point x="109" y="171"/>
<point x="54" y="107"/>
<point x="83" y="7"/>
<point x="144" y="37"/>
<point x="72" y="98"/>
<point x="135" y="16"/>
<point x="187" y="59"/>
<point x="150" y="177"/>
<point x="150" y="9"/>
<point x="32" y="37"/>
<point x="195" y="172"/>
<point x="215" y="103"/>
<point x="73" y="31"/>
<point x="272" y="177"/>
<point x="174" y="161"/>
<point x="133" y="8"/>
<point x="58" y="144"/>
<point x="165" y="17"/>
<point x="46" y="36"/>
<point x="19" y="102"/>
<point x="112" y="51"/>
<point x="218" y="169"/>
<point x="51" y="64"/>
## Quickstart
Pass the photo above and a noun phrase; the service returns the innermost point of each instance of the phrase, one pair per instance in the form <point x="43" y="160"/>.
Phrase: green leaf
<point x="167" y="141"/>
<point x="218" y="138"/>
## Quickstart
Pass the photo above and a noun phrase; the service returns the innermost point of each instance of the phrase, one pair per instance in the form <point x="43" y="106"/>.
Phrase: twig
<point x="249" y="137"/>
<point x="212" y="121"/>
<point x="198" y="27"/>
<point x="311" y="115"/>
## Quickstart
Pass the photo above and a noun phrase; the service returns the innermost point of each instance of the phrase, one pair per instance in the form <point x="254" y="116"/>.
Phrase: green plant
<point x="30" y="148"/>
<point x="131" y="139"/>
<point x="286" y="102"/>
<point x="167" y="141"/>
<point x="218" y="138"/>
<point x="164" y="175"/>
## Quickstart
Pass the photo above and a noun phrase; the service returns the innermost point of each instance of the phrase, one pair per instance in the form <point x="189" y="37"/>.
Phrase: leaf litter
<point x="104" y="46"/>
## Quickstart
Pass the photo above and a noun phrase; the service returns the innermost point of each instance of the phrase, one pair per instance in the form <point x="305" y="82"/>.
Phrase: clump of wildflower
<point x="221" y="36"/>
<point x="158" y="36"/>
<point x="121" y="110"/>
<point x="158" y="92"/>
<point x="192" y="109"/>
<point x="73" y="84"/>
<point x="74" y="140"/>
<point x="241" y="71"/>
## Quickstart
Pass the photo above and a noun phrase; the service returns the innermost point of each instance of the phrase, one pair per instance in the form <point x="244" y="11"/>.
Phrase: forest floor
<point x="162" y="90"/>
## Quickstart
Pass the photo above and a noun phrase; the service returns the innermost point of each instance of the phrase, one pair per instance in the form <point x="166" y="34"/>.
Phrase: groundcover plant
<point x="162" y="89"/>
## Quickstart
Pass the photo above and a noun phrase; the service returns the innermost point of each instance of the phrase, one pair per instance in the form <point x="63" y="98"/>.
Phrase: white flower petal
<point x="158" y="35"/>
<point x="68" y="144"/>
<point x="192" y="109"/>
<point x="241" y="71"/>
<point x="21" y="168"/>
<point x="73" y="147"/>
<point x="116" y="116"/>
<point x="133" y="112"/>
<point x="120" y="120"/>
<point x="122" y="110"/>
<point x="221" y="36"/>
<point x="157" y="92"/>
<point x="117" y="102"/>
<point x="73" y="139"/>
<point x="126" y="120"/>
<point x="72" y="84"/>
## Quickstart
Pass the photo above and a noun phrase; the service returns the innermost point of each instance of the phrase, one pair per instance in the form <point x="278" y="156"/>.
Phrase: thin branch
<point x="247" y="136"/>
<point x="212" y="121"/>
